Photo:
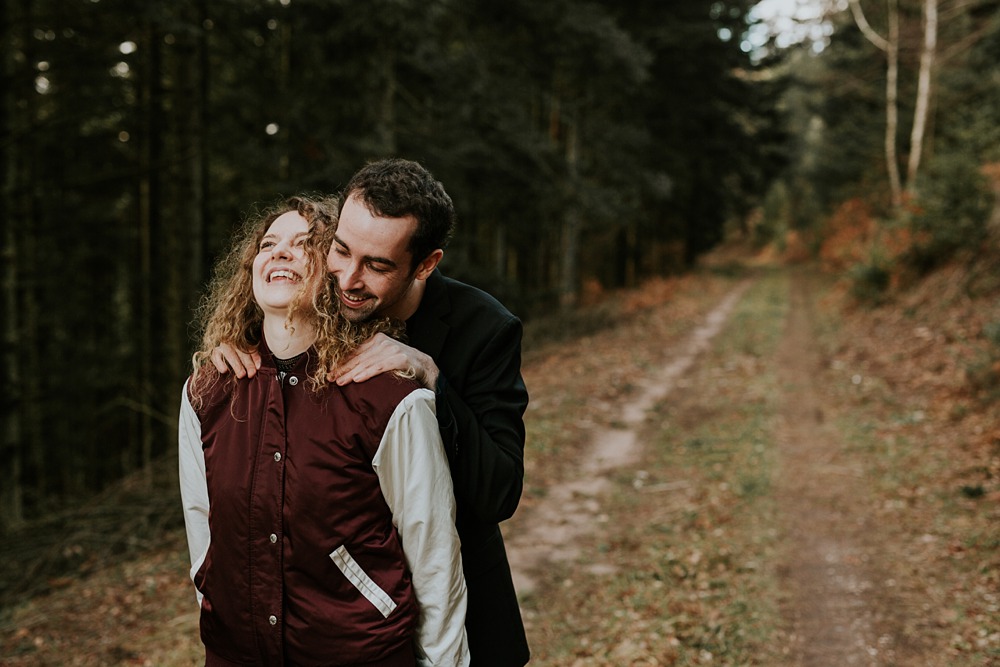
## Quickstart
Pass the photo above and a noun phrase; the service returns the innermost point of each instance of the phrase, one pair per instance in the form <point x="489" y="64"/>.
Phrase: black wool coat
<point x="476" y="343"/>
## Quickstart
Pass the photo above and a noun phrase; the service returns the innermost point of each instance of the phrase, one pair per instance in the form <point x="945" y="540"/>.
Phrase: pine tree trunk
<point x="187" y="202"/>
<point x="284" y="86"/>
<point x="631" y="277"/>
<point x="149" y="213"/>
<point x="499" y="251"/>
<point x="11" y="491"/>
<point x="385" y="128"/>
<point x="192" y="74"/>
<point x="570" y="245"/>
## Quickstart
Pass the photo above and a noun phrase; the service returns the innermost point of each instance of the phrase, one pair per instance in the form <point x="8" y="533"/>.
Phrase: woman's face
<point x="281" y="264"/>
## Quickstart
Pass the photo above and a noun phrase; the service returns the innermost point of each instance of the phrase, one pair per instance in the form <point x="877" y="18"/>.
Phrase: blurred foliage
<point x="957" y="203"/>
<point x="983" y="373"/>
<point x="869" y="282"/>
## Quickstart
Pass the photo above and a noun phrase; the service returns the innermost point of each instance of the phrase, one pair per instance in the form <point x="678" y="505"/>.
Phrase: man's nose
<point x="348" y="275"/>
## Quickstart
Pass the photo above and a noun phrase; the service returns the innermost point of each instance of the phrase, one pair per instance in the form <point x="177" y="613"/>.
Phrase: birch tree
<point x="890" y="46"/>
<point x="924" y="91"/>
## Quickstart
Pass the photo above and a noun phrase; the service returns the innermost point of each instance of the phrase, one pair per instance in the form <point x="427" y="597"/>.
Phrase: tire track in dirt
<point x="831" y="596"/>
<point x="569" y="510"/>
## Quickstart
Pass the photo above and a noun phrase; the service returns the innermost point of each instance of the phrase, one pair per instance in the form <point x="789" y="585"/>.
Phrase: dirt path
<point x="570" y="508"/>
<point x="835" y="605"/>
<point x="831" y="581"/>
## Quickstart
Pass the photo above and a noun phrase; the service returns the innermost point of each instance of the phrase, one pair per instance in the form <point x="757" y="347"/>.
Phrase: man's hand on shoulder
<point x="243" y="364"/>
<point x="381" y="354"/>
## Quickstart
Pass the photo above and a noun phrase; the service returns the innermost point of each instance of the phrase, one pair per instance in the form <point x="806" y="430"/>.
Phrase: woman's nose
<point x="282" y="249"/>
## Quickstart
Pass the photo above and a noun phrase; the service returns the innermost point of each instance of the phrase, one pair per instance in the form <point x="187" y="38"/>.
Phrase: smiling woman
<point x="279" y="271"/>
<point x="320" y="519"/>
<point x="243" y="305"/>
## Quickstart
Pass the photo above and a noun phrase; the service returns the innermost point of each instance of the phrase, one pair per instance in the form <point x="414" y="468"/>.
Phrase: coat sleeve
<point x="194" y="485"/>
<point x="483" y="426"/>
<point x="416" y="482"/>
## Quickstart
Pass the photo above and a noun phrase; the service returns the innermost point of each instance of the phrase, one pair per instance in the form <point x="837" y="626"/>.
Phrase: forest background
<point x="588" y="146"/>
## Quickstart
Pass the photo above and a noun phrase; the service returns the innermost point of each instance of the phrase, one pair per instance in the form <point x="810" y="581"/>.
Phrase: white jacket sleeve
<point x="194" y="486"/>
<point x="416" y="482"/>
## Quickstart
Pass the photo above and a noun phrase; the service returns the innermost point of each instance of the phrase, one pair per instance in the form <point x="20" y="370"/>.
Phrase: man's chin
<point x="357" y="315"/>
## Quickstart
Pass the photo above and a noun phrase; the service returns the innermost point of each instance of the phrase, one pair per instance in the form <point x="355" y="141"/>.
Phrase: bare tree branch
<point x="866" y="28"/>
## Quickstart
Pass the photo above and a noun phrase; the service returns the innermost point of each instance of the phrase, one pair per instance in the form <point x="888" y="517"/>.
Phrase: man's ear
<point x="428" y="264"/>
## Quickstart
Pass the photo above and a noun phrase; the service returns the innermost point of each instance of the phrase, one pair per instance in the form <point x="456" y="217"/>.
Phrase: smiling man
<point x="373" y="265"/>
<point x="395" y="222"/>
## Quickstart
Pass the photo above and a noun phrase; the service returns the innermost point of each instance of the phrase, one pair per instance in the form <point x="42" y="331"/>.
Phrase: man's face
<point x="370" y="263"/>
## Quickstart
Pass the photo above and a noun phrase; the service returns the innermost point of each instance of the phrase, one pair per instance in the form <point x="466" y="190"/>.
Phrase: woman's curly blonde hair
<point x="229" y="313"/>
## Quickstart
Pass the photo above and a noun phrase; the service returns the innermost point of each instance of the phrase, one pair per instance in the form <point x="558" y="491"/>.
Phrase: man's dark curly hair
<point x="396" y="188"/>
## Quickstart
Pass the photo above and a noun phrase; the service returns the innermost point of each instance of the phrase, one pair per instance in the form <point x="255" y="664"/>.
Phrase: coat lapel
<point x="427" y="329"/>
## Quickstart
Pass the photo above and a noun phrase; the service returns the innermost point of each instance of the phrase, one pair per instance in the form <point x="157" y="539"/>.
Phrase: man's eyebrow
<point x="367" y="258"/>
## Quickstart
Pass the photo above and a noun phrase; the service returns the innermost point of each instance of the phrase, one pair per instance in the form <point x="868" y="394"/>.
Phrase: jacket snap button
<point x="273" y="620"/>
<point x="277" y="456"/>
<point x="274" y="538"/>
<point x="293" y="380"/>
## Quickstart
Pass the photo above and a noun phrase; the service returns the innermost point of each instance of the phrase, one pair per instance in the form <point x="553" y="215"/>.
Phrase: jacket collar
<point x="303" y="364"/>
<point x="426" y="329"/>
